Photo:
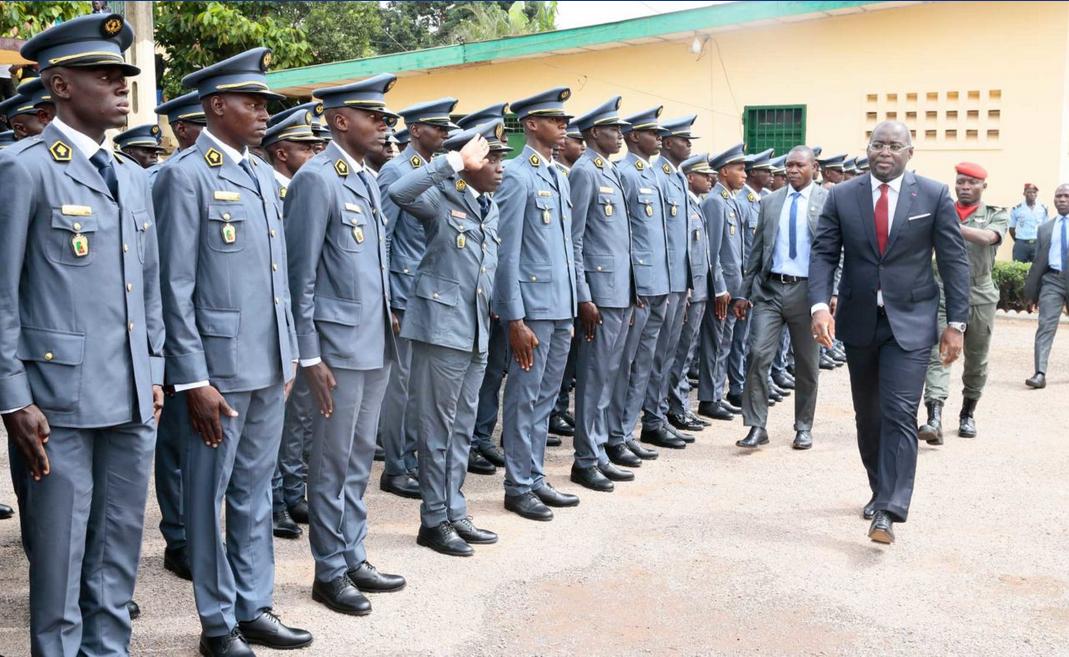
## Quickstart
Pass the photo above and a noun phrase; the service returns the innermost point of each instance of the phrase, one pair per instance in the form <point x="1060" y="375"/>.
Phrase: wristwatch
<point x="957" y="325"/>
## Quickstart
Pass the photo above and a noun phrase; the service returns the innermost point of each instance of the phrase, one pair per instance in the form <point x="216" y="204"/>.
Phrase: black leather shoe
<point x="444" y="539"/>
<point x="784" y="381"/>
<point x="133" y="609"/>
<point x="715" y="411"/>
<point x="368" y="579"/>
<point x="638" y="450"/>
<point x="558" y="427"/>
<point x="467" y="530"/>
<point x="870" y="509"/>
<point x="568" y="419"/>
<point x="283" y="525"/>
<point x="268" y="630"/>
<point x="802" y="440"/>
<point x="380" y="453"/>
<point x="553" y="441"/>
<point x="694" y="419"/>
<point x="494" y="455"/>
<point x="231" y="645"/>
<point x="621" y="455"/>
<point x="782" y="392"/>
<point x="177" y="561"/>
<point x="299" y="512"/>
<point x="882" y="528"/>
<point x="932" y="431"/>
<point x="774" y="397"/>
<point x="838" y="353"/>
<point x="591" y="478"/>
<point x="734" y="401"/>
<point x="341" y="596"/>
<point x="550" y="496"/>
<point x="528" y="506"/>
<point x="967" y="426"/>
<point x="613" y="473"/>
<point x="1038" y="381"/>
<point x="790" y="369"/>
<point x="757" y="437"/>
<point x="683" y="423"/>
<point x="477" y="464"/>
<point x="730" y="408"/>
<point x="826" y="363"/>
<point x="6" y="512"/>
<point x="661" y="438"/>
<point x="685" y="437"/>
<point x="401" y="485"/>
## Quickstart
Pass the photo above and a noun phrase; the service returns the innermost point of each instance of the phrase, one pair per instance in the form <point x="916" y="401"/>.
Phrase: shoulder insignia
<point x="750" y="197"/>
<point x="60" y="152"/>
<point x="415" y="161"/>
<point x="535" y="160"/>
<point x="725" y="194"/>
<point x="214" y="158"/>
<point x="666" y="168"/>
<point x="461" y="185"/>
<point x="119" y="156"/>
<point x="599" y="163"/>
<point x="639" y="165"/>
<point x="281" y="192"/>
<point x="341" y="168"/>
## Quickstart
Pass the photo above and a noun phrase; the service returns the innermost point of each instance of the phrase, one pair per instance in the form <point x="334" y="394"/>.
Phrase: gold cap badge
<point x="112" y="26"/>
<point x="461" y="185"/>
<point x="266" y="60"/>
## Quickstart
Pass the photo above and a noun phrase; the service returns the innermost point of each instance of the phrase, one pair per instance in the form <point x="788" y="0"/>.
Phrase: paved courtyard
<point x="711" y="551"/>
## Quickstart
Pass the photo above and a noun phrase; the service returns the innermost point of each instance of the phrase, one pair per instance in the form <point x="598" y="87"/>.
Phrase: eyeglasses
<point x="879" y="146"/>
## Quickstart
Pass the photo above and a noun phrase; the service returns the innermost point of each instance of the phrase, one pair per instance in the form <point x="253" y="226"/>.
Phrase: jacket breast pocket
<point x="645" y="205"/>
<point x="219" y="330"/>
<point x="53" y="366"/>
<point x="226" y="228"/>
<point x="609" y="208"/>
<point x="142" y="226"/>
<point x="73" y="239"/>
<point x="354" y="232"/>
<point x="544" y="211"/>
<point x="535" y="286"/>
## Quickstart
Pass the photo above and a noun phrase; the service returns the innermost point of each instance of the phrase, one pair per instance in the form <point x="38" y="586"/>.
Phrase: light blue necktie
<point x="794" y="225"/>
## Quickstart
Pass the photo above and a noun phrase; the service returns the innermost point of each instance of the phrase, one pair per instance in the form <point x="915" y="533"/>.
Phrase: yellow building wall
<point x="1005" y="61"/>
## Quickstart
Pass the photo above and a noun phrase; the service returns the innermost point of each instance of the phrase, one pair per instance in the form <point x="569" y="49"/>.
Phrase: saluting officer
<point x="336" y="233"/>
<point x="231" y="348"/>
<point x="601" y="238"/>
<point x="534" y="295"/>
<point x="448" y="322"/>
<point x="141" y="143"/>
<point x="81" y="344"/>
<point x="428" y="123"/>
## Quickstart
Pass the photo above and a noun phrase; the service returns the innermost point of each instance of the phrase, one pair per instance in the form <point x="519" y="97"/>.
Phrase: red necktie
<point x="881" y="219"/>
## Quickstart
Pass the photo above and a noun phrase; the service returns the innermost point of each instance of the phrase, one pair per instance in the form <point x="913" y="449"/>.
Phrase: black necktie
<point x="104" y="167"/>
<point x="484" y="205"/>
<point x="247" y="166"/>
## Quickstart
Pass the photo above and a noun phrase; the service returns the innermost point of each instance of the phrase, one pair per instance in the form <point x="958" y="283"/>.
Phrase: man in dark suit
<point x="1047" y="285"/>
<point x="886" y="225"/>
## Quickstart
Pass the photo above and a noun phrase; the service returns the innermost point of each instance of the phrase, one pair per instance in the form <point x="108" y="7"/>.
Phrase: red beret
<point x="972" y="170"/>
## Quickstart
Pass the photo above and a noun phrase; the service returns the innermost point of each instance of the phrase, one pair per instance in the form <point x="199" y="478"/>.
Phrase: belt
<point x="1031" y="241"/>
<point x="786" y="278"/>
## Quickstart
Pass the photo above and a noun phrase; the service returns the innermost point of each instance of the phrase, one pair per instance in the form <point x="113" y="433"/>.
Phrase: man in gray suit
<point x="231" y="347"/>
<point x="428" y="124"/>
<point x="774" y="286"/>
<point x="601" y="238"/>
<point x="448" y="321"/>
<point x="1047" y="286"/>
<point x="81" y="370"/>
<point x="336" y="236"/>
<point x="535" y="296"/>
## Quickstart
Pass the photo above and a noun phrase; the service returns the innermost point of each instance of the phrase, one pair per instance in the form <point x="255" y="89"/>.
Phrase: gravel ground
<point x="710" y="551"/>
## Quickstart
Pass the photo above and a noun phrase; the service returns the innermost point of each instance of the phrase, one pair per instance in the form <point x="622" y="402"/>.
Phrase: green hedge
<point x="1010" y="278"/>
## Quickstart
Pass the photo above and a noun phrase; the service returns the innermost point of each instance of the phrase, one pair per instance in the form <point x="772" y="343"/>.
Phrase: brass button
<point x="130" y="326"/>
<point x="49" y="355"/>
<point x="77" y="226"/>
<point x="272" y="232"/>
<point x="641" y="261"/>
<point x="145" y="225"/>
<point x="274" y="266"/>
<point x="226" y="216"/>
<point x="534" y="278"/>
<point x="129" y="287"/>
<point x="382" y="267"/>
<point x="125" y="248"/>
<point x="484" y="270"/>
<point x="276" y="301"/>
<point x="480" y="290"/>
<point x="599" y="267"/>
<point x="406" y="270"/>
<point x="435" y="295"/>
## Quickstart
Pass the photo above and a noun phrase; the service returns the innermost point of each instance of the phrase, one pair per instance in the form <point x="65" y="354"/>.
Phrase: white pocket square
<point x="919" y="216"/>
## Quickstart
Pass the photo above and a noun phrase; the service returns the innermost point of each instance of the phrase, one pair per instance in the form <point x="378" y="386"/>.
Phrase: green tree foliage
<point x="22" y="20"/>
<point x="488" y="20"/>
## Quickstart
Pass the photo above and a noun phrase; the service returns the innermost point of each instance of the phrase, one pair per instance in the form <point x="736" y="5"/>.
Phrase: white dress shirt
<point x="782" y="262"/>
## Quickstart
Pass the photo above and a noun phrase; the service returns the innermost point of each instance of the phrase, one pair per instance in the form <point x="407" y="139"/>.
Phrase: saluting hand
<point x="474" y="153"/>
<point x="28" y="429"/>
<point x="206" y="408"/>
<point x="523" y="342"/>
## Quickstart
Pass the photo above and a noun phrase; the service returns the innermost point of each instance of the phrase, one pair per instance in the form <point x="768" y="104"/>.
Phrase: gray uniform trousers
<point x="497" y="365"/>
<point x="686" y="351"/>
<point x="655" y="406"/>
<point x="529" y="398"/>
<point x="234" y="580"/>
<point x="291" y="472"/>
<point x="399" y="437"/>
<point x="1053" y="297"/>
<point x="710" y="377"/>
<point x="725" y="351"/>
<point x="172" y="441"/>
<point x="568" y="381"/>
<point x="778" y="305"/>
<point x="93" y="501"/>
<point x="597" y="368"/>
<point x="637" y="363"/>
<point x="443" y="416"/>
<point x="737" y="357"/>
<point x="343" y="449"/>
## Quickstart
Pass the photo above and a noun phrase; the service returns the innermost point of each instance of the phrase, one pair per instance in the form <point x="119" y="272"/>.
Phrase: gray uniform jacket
<point x="601" y="233"/>
<point x="714" y="217"/>
<point x="81" y="329"/>
<point x="749" y="203"/>
<point x="450" y="304"/>
<point x="720" y="207"/>
<point x="759" y="263"/>
<point x="536" y="264"/>
<point x="405" y="241"/>
<point x="225" y="294"/>
<point x="698" y="265"/>
<point x="676" y="224"/>
<point x="335" y="234"/>
<point x="645" y="208"/>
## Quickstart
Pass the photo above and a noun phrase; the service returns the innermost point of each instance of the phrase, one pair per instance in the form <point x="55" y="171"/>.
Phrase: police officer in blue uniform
<point x="428" y="123"/>
<point x="30" y="109"/>
<point x="82" y="341"/>
<point x="601" y="239"/>
<point x="534" y="295"/>
<point x="141" y="143"/>
<point x="448" y="322"/>
<point x="231" y="347"/>
<point x="336" y="234"/>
